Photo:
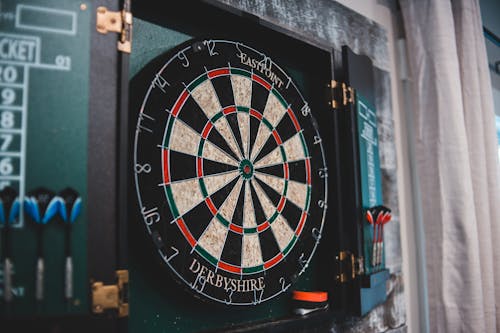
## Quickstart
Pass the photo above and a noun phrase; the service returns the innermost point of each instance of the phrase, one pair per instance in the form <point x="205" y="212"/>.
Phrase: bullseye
<point x="246" y="169"/>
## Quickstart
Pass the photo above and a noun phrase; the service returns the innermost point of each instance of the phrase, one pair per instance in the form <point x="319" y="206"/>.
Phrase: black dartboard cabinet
<point x="225" y="173"/>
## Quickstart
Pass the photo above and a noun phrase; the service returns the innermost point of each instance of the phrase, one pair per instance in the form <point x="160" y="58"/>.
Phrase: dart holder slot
<point x="372" y="282"/>
<point x="374" y="279"/>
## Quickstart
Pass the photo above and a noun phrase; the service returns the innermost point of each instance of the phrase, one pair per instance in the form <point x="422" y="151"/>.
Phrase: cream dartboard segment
<point x="230" y="171"/>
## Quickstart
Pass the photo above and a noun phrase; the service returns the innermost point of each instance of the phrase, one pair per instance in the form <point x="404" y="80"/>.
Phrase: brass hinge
<point x="111" y="297"/>
<point x="120" y="22"/>
<point x="348" y="266"/>
<point x="341" y="94"/>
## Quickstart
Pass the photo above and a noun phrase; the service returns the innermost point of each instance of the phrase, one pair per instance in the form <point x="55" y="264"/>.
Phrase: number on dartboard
<point x="146" y="168"/>
<point x="306" y="110"/>
<point x="302" y="261"/>
<point x="8" y="96"/>
<point x="151" y="215"/>
<point x="227" y="177"/>
<point x="174" y="253"/>
<point x="199" y="283"/>
<point x="182" y="56"/>
<point x="8" y="74"/>
<point x="143" y="125"/>
<point x="160" y="82"/>
<point x="257" y="296"/>
<point x="210" y="47"/>
<point x="316" y="233"/>
<point x="323" y="173"/>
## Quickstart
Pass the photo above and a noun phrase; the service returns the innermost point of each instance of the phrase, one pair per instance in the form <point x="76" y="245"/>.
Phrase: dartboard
<point x="229" y="170"/>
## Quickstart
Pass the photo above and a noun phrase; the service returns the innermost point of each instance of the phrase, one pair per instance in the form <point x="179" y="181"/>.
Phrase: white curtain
<point x="457" y="163"/>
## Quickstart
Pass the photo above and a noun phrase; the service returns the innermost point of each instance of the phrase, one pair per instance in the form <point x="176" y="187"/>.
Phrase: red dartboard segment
<point x="256" y="114"/>
<point x="285" y="170"/>
<point x="199" y="167"/>
<point x="277" y="137"/>
<point x="218" y="72"/>
<point x="301" y="223"/>
<point x="166" y="178"/>
<point x="229" y="110"/>
<point x="281" y="204"/>
<point x="206" y="130"/>
<point x="235" y="228"/>
<point x="185" y="231"/>
<point x="229" y="268"/>
<point x="211" y="206"/>
<point x="180" y="102"/>
<point x="263" y="226"/>
<point x="294" y="119"/>
<point x="308" y="171"/>
<point x="261" y="81"/>
<point x="273" y="261"/>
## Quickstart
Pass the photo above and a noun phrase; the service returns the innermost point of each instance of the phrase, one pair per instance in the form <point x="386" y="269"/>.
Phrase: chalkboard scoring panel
<point x="44" y="93"/>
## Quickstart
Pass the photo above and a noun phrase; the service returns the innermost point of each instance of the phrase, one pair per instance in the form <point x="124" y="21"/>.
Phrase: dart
<point x="41" y="205"/>
<point x="385" y="219"/>
<point x="70" y="205"/>
<point x="378" y="223"/>
<point x="369" y="217"/>
<point x="9" y="212"/>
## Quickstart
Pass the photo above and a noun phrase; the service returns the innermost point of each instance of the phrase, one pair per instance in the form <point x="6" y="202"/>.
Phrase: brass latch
<point x="348" y="266"/>
<point x="341" y="94"/>
<point x="120" y="22"/>
<point x="111" y="297"/>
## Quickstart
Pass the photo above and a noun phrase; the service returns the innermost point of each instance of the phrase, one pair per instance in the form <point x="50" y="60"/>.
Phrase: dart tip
<point x="369" y="217"/>
<point x="387" y="218"/>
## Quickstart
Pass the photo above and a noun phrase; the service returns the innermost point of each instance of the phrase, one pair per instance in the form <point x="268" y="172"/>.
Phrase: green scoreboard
<point x="44" y="101"/>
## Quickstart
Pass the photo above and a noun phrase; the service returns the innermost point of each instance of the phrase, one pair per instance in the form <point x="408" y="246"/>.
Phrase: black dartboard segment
<point x="221" y="136"/>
